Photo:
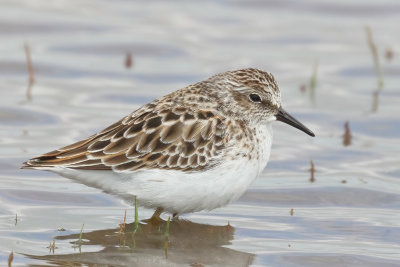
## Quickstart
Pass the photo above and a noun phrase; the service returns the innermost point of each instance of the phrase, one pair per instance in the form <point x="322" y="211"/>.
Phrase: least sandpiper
<point x="197" y="148"/>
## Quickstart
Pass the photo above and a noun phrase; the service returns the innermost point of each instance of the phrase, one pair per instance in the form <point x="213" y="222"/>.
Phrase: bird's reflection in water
<point x="187" y="243"/>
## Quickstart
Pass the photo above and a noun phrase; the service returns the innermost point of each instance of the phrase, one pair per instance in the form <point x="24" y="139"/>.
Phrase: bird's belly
<point x="180" y="192"/>
<point x="174" y="191"/>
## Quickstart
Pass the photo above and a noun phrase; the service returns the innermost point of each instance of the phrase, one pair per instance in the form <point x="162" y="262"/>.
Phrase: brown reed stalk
<point x="312" y="170"/>
<point x="30" y="71"/>
<point x="347" y="134"/>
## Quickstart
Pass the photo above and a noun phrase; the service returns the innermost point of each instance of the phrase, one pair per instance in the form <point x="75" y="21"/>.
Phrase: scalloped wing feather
<point x="178" y="139"/>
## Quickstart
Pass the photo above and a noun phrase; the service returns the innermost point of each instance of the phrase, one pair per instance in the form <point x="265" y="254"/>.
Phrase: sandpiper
<point x="197" y="148"/>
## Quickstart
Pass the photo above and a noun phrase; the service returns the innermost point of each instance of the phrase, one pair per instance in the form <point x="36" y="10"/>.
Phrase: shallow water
<point x="350" y="215"/>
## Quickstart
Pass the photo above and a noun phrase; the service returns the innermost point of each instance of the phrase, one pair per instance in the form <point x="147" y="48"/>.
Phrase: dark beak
<point x="283" y="116"/>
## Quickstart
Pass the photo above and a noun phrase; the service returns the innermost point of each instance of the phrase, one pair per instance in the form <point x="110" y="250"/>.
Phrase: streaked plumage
<point x="196" y="148"/>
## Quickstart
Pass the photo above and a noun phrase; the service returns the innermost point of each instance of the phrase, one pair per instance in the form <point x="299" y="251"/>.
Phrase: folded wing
<point x="176" y="138"/>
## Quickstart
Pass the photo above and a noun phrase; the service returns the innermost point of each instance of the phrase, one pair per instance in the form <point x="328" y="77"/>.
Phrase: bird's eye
<point x="255" y="98"/>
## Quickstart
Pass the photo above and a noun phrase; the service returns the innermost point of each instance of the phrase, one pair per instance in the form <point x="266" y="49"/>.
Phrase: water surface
<point x="348" y="216"/>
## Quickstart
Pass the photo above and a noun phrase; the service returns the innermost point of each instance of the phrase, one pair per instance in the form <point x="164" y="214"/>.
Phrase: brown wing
<point x="175" y="139"/>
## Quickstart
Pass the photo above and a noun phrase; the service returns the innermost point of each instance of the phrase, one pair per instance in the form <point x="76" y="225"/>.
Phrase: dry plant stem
<point x="389" y="54"/>
<point x="378" y="69"/>
<point x="52" y="246"/>
<point x="374" y="51"/>
<point x="121" y="234"/>
<point x="30" y="71"/>
<point x="128" y="60"/>
<point x="313" y="82"/>
<point x="10" y="258"/>
<point x="122" y="225"/>
<point x="347" y="135"/>
<point x="375" y="99"/>
<point x="312" y="170"/>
